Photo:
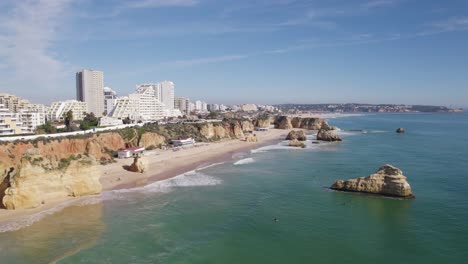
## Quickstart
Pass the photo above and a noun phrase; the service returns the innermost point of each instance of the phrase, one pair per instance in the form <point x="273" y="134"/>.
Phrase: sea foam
<point x="244" y="161"/>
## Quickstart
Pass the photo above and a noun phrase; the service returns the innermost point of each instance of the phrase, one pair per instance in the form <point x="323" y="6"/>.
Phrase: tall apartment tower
<point x="167" y="94"/>
<point x="90" y="89"/>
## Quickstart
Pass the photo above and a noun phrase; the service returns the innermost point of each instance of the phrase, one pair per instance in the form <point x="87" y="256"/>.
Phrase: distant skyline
<point x="258" y="51"/>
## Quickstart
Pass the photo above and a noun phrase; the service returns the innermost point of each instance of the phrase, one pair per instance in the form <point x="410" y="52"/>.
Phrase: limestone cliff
<point x="152" y="140"/>
<point x="264" y="122"/>
<point x="225" y="130"/>
<point x="286" y="122"/>
<point x="388" y="181"/>
<point x="34" y="172"/>
<point x="34" y="183"/>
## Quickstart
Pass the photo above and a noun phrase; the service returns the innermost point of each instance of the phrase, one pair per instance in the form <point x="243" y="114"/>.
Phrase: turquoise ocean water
<point x="224" y="213"/>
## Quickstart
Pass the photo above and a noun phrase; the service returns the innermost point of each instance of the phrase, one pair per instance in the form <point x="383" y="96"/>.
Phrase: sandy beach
<point x="161" y="165"/>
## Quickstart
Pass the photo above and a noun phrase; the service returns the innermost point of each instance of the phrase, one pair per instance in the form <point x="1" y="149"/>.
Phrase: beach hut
<point x="130" y="152"/>
<point x="183" y="142"/>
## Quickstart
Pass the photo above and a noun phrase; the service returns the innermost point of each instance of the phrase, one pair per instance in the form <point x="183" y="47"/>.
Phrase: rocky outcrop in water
<point x="139" y="165"/>
<point x="388" y="181"/>
<point x="297" y="134"/>
<point x="326" y="135"/>
<point x="296" y="143"/>
<point x="400" y="130"/>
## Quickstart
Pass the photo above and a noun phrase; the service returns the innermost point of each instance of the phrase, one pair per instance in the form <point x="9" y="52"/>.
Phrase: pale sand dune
<point x="162" y="164"/>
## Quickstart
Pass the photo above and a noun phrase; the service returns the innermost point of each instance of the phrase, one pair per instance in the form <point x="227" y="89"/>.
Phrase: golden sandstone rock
<point x="388" y="181"/>
<point x="35" y="184"/>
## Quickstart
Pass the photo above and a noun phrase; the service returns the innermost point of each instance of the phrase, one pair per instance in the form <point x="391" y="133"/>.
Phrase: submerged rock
<point x="297" y="134"/>
<point x="388" y="181"/>
<point x="326" y="135"/>
<point x="400" y="130"/>
<point x="296" y="143"/>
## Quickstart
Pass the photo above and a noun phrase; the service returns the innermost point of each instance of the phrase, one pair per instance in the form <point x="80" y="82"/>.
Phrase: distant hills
<point x="366" y="108"/>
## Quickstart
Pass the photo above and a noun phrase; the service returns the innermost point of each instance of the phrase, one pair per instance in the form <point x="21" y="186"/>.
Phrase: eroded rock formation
<point x="296" y="134"/>
<point x="139" y="165"/>
<point x="35" y="183"/>
<point x="388" y="180"/>
<point x="326" y="135"/>
<point x="296" y="143"/>
<point x="286" y="122"/>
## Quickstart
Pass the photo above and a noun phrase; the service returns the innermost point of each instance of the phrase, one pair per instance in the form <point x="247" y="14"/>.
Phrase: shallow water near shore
<point x="225" y="213"/>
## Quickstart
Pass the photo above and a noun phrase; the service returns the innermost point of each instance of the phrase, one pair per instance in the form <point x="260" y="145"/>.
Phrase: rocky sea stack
<point x="296" y="143"/>
<point x="326" y="135"/>
<point x="387" y="181"/>
<point x="138" y="165"/>
<point x="297" y="134"/>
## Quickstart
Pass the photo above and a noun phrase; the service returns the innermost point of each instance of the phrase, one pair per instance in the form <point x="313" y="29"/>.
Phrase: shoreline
<point x="161" y="165"/>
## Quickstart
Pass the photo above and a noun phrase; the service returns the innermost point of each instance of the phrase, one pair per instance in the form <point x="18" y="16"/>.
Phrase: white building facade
<point x="9" y="122"/>
<point x="90" y="89"/>
<point x="57" y="110"/>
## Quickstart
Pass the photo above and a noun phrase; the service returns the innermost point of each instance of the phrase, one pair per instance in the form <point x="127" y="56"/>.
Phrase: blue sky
<point x="260" y="51"/>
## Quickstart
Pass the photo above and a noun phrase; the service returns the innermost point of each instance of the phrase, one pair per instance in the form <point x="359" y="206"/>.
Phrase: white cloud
<point x="27" y="33"/>
<point x="160" y="3"/>
<point x="448" y="25"/>
<point x="208" y="60"/>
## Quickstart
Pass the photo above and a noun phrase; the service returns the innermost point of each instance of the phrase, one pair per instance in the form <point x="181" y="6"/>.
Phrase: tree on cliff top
<point x="68" y="119"/>
<point x="47" y="128"/>
<point x="89" y="121"/>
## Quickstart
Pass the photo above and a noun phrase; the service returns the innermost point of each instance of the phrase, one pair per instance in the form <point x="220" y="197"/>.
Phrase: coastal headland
<point x="38" y="175"/>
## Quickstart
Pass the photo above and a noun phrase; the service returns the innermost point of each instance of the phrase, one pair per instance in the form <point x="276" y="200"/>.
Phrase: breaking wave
<point x="244" y="161"/>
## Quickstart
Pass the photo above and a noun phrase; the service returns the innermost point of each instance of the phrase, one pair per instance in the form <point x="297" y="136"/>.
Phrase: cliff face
<point x="32" y="173"/>
<point x="227" y="130"/>
<point x="34" y="184"/>
<point x="264" y="123"/>
<point x="286" y="122"/>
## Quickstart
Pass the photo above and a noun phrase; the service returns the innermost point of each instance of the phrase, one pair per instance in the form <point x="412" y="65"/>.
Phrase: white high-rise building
<point x="127" y="106"/>
<point x="182" y="103"/>
<point x="191" y="107"/>
<point x="109" y="99"/>
<point x="141" y="105"/>
<point x="167" y="95"/>
<point x="198" y="105"/>
<point x="150" y="107"/>
<point x="90" y="89"/>
<point x="58" y="109"/>
<point x="164" y="93"/>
